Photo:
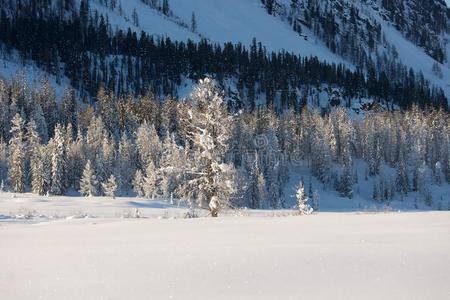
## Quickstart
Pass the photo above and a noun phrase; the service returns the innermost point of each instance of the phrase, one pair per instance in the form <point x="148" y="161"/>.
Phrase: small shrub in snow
<point x="191" y="214"/>
<point x="131" y="214"/>
<point x="25" y="213"/>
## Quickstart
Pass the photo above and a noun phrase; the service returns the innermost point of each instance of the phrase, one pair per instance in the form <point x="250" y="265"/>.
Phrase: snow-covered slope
<point x="219" y="21"/>
<point x="243" y="20"/>
<point x="150" y="20"/>
<point x="11" y="67"/>
<point x="414" y="57"/>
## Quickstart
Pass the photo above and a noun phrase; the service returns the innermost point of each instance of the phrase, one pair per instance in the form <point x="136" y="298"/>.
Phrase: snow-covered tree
<point x="110" y="187"/>
<point x="37" y="172"/>
<point x="171" y="166"/>
<point x="108" y="156"/>
<point x="209" y="179"/>
<point x="17" y="155"/>
<point x="126" y="162"/>
<point x="39" y="180"/>
<point x="88" y="183"/>
<point x="320" y="149"/>
<point x="302" y="200"/>
<point x="138" y="183"/>
<point x="3" y="161"/>
<point x="148" y="145"/>
<point x="150" y="185"/>
<point x="58" y="159"/>
<point x="257" y="187"/>
<point x="193" y="23"/>
<point x="94" y="138"/>
<point x="402" y="180"/>
<point x="347" y="178"/>
<point x="75" y="161"/>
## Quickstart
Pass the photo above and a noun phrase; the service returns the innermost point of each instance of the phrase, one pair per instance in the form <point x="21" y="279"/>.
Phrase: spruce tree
<point x="302" y="200"/>
<point x="138" y="183"/>
<point x="17" y="155"/>
<point x="88" y="183"/>
<point x="209" y="178"/>
<point x="58" y="161"/>
<point x="110" y="187"/>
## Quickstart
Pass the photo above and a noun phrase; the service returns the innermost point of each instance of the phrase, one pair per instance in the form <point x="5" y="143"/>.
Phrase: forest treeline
<point x="199" y="150"/>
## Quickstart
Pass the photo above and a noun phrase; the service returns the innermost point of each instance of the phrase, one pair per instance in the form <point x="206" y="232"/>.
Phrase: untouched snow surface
<point x="324" y="256"/>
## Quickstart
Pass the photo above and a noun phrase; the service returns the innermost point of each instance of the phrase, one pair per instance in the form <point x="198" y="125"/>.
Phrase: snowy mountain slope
<point x="11" y="67"/>
<point x="391" y="39"/>
<point x="220" y="21"/>
<point x="243" y="20"/>
<point x="415" y="58"/>
<point x="150" y="20"/>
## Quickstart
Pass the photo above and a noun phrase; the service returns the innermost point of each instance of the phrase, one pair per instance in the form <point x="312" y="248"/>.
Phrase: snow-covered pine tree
<point x="437" y="173"/>
<point x="135" y="17"/>
<point x="88" y="183"/>
<point x="148" y="145"/>
<point x="17" y="155"/>
<point x="170" y="166"/>
<point x="315" y="200"/>
<point x="150" y="185"/>
<point x="263" y="195"/>
<point x="401" y="179"/>
<point x="374" y="155"/>
<point x="302" y="200"/>
<point x="41" y="124"/>
<point x="193" y="23"/>
<point x="75" y="161"/>
<point x="35" y="153"/>
<point x="126" y="163"/>
<point x="3" y="161"/>
<point x="94" y="138"/>
<point x="257" y="186"/>
<point x="38" y="183"/>
<point x="209" y="178"/>
<point x="58" y="159"/>
<point x="35" y="158"/>
<point x="320" y="149"/>
<point x="165" y="7"/>
<point x="108" y="155"/>
<point x="110" y="187"/>
<point x="347" y="179"/>
<point x="138" y="183"/>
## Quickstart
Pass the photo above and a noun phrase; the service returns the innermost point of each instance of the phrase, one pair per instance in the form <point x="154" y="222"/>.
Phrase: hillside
<point x="243" y="21"/>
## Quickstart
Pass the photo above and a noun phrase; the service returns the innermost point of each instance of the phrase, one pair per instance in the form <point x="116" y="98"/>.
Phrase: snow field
<point x="324" y="256"/>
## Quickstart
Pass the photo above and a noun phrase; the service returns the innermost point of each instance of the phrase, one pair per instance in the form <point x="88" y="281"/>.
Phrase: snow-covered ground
<point x="323" y="256"/>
